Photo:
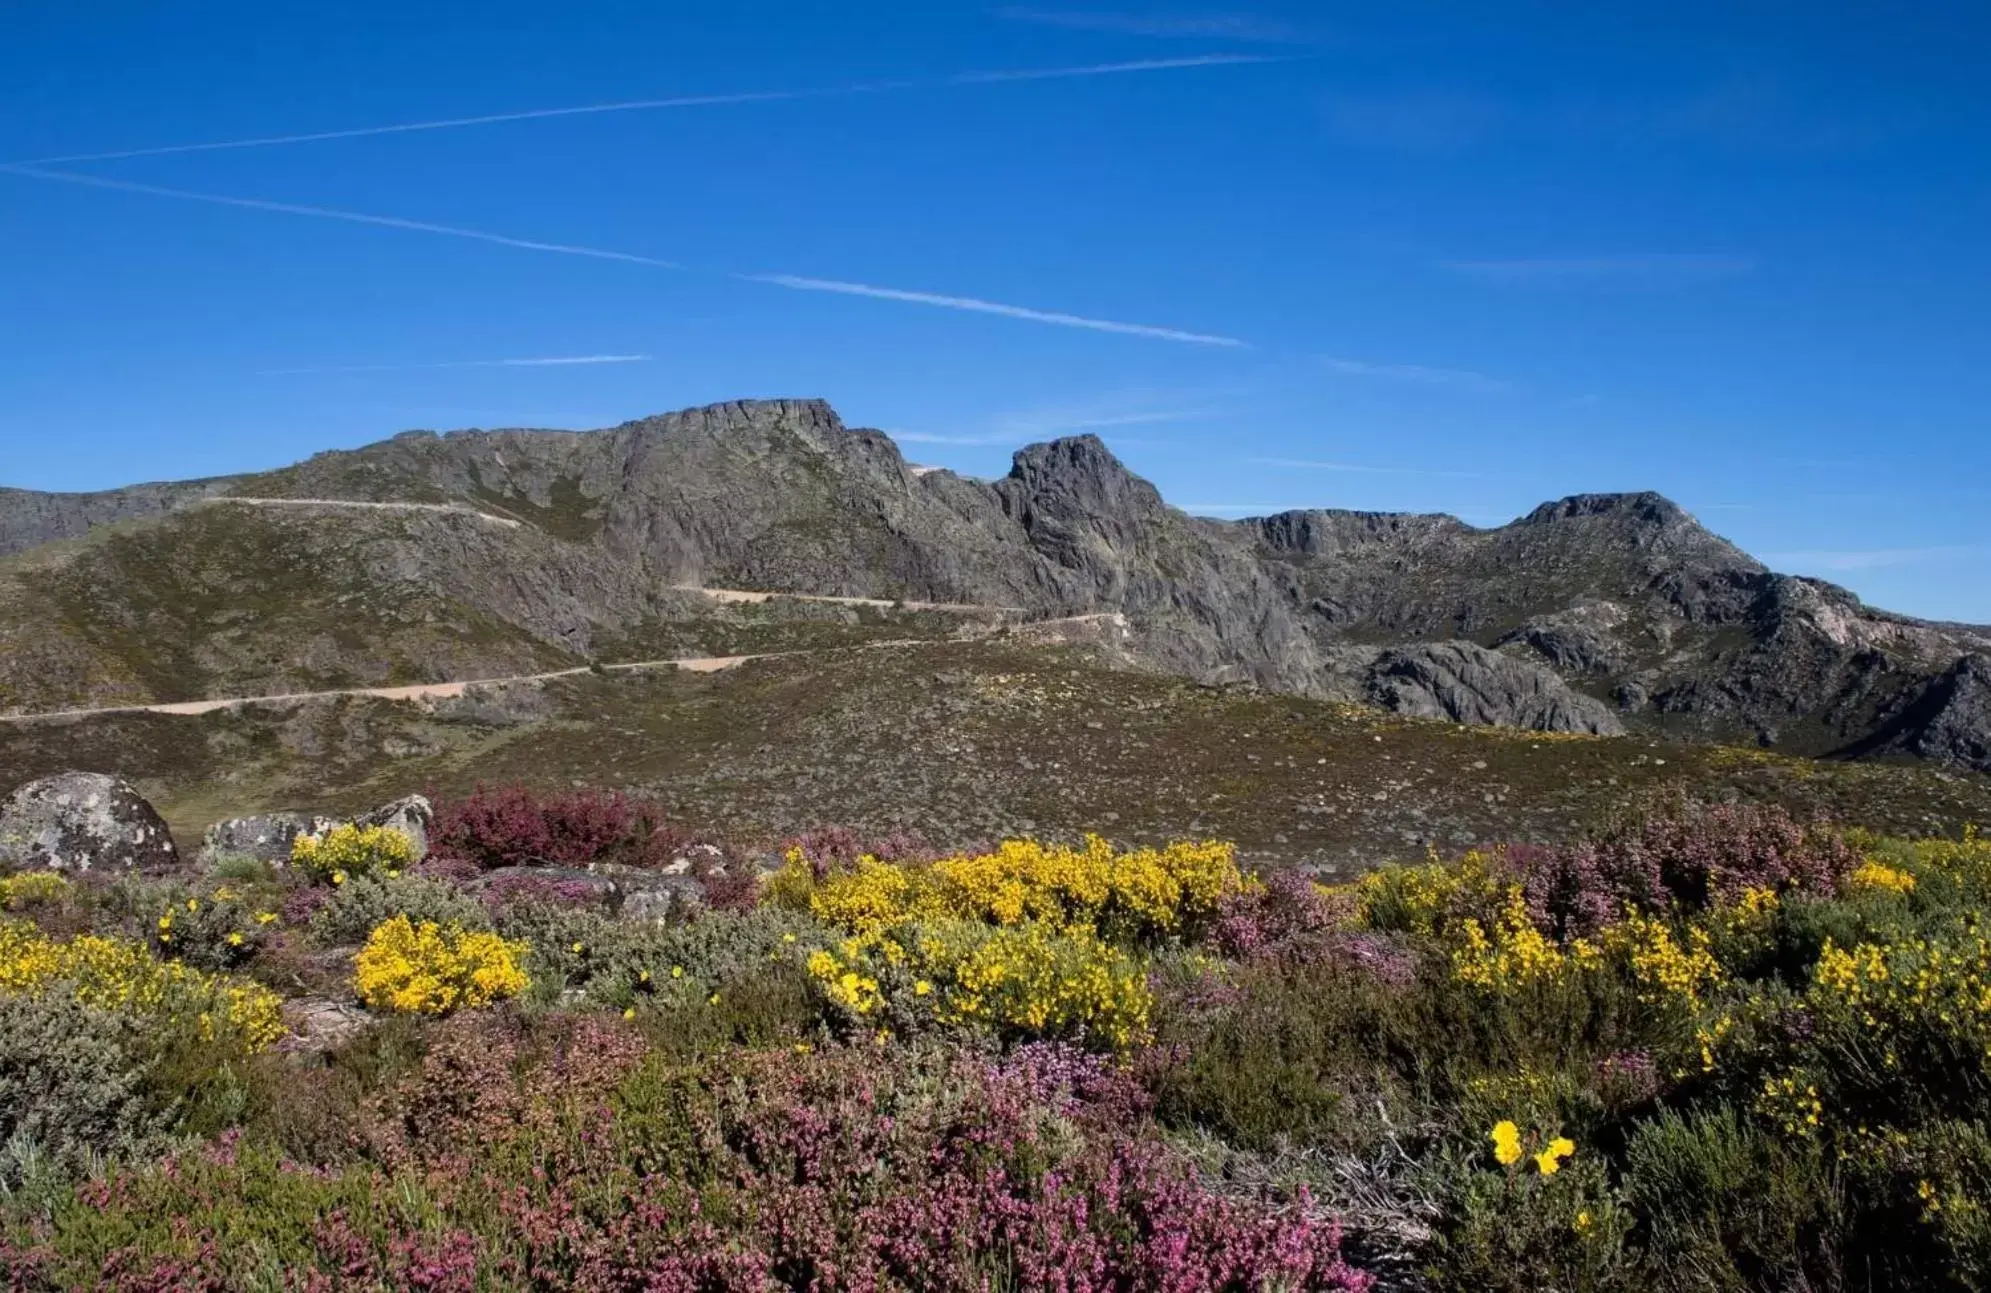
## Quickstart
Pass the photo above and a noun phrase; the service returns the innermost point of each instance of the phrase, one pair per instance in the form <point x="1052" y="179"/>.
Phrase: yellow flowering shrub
<point x="1875" y="875"/>
<point x="1038" y="980"/>
<point x="1916" y="992"/>
<point x="1663" y="968"/>
<point x="872" y="897"/>
<point x="212" y="930"/>
<point x="165" y="997"/>
<point x="31" y="889"/>
<point x="349" y="850"/>
<point x="1034" y="979"/>
<point x="1434" y="898"/>
<point x="1138" y="896"/>
<point x="434" y="969"/>
<point x="1512" y="955"/>
<point x="1508" y="1148"/>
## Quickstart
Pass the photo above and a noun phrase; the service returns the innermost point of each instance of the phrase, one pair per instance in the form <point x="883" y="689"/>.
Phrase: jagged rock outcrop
<point x="1471" y="684"/>
<point x="1597" y="595"/>
<point x="83" y="821"/>
<point x="1949" y="722"/>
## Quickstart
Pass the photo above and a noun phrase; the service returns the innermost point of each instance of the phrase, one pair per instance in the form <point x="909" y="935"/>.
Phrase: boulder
<point x="265" y="837"/>
<point x="410" y="815"/>
<point x="82" y="821"/>
<point x="662" y="898"/>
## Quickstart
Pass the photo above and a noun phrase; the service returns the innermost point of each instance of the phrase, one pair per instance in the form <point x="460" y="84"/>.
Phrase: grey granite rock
<point x="83" y="821"/>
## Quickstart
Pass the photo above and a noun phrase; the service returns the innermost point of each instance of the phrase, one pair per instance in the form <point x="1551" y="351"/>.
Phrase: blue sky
<point x="1422" y="256"/>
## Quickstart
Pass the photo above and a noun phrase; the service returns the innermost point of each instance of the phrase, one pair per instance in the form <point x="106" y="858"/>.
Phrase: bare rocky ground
<point x="966" y="740"/>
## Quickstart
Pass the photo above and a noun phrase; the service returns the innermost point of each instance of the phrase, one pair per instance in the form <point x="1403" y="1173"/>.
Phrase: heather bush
<point x="511" y="826"/>
<point x="503" y="892"/>
<point x="349" y="912"/>
<point x="1716" y="1049"/>
<point x="1690" y="861"/>
<point x="908" y="1170"/>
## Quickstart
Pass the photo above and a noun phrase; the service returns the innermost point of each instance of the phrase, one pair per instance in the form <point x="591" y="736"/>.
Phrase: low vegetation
<point x="1717" y="1048"/>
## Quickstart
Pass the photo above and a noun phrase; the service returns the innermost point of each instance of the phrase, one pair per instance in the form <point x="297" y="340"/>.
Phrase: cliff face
<point x="1595" y="613"/>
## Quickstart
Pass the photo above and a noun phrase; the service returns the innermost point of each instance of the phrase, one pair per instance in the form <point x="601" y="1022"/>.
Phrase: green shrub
<point x="72" y="1088"/>
<point x="1724" y="1204"/>
<point x="212" y="928"/>
<point x="364" y="902"/>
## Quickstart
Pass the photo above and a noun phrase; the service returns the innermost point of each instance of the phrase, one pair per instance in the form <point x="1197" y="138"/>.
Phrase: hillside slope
<point x="1597" y="613"/>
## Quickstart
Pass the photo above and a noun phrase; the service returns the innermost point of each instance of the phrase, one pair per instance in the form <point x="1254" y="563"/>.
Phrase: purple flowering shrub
<point x="574" y="1162"/>
<point x="1684" y="862"/>
<point x="508" y="826"/>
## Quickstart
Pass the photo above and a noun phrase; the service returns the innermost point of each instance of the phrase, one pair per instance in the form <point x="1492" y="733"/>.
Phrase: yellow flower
<point x="235" y="939"/>
<point x="629" y="1013"/>
<point x="1506" y="1140"/>
<point x="580" y="948"/>
<point x="193" y="904"/>
<point x="922" y="988"/>
<point x="338" y="877"/>
<point x="265" y="917"/>
<point x="433" y="969"/>
<point x="1549" y="1161"/>
<point x="1582" y="1222"/>
<point x="677" y="971"/>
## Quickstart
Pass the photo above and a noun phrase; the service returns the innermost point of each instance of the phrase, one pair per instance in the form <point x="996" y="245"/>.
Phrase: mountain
<point x="493" y="553"/>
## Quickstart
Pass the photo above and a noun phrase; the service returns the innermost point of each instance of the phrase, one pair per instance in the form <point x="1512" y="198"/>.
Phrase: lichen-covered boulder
<point x="83" y="821"/>
<point x="265" y="837"/>
<point x="410" y="815"/>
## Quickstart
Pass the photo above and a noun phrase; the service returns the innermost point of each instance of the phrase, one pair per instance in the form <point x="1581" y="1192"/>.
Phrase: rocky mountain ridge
<point x="1595" y="613"/>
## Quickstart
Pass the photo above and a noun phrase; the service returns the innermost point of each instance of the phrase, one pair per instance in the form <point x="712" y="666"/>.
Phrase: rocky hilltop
<point x="541" y="549"/>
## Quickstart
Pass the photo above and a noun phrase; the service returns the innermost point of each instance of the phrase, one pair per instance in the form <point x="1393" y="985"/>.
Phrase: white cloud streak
<point x="1309" y="464"/>
<point x="790" y="281"/>
<point x="546" y="361"/>
<point x="1419" y="374"/>
<point x="653" y="105"/>
<point x="977" y="306"/>
<point x="331" y="213"/>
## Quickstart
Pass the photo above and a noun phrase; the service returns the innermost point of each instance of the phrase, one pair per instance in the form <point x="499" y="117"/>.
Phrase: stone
<point x="319" y="1024"/>
<point x="83" y="821"/>
<point x="265" y="837"/>
<point x="662" y="898"/>
<point x="410" y="814"/>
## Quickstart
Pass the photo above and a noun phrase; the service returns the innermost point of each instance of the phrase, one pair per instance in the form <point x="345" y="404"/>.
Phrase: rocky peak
<point x="1645" y="508"/>
<point x="1077" y="480"/>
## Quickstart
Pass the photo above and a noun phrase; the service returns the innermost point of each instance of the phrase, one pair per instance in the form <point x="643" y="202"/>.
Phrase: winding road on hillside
<point x="450" y="690"/>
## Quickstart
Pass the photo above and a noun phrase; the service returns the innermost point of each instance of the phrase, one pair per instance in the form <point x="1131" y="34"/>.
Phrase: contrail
<point x="992" y="307"/>
<point x="651" y="105"/>
<point x="331" y="213"/>
<point x="791" y="281"/>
